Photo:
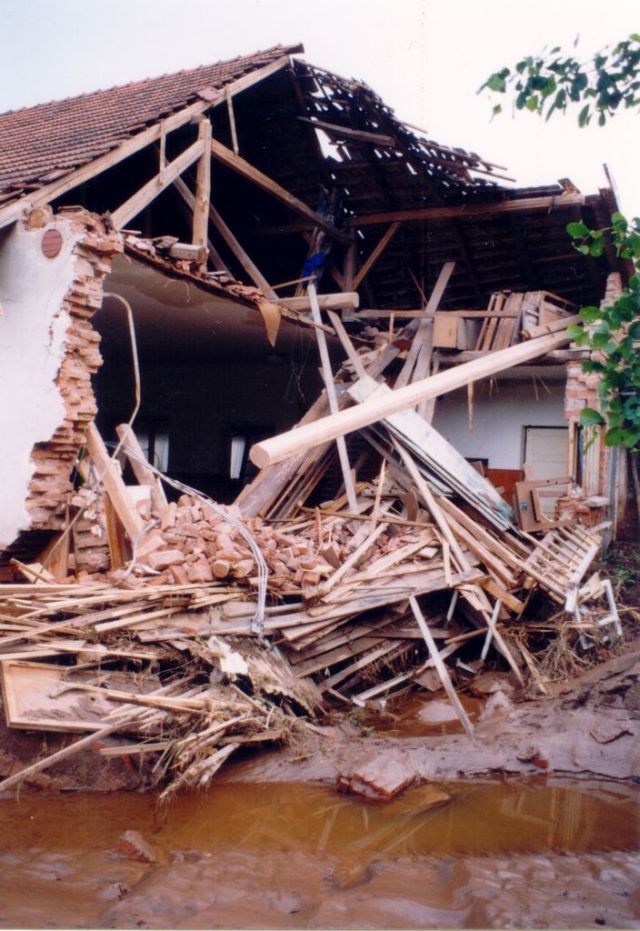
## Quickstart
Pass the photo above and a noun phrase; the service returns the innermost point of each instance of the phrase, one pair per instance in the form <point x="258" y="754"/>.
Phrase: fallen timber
<point x="215" y="628"/>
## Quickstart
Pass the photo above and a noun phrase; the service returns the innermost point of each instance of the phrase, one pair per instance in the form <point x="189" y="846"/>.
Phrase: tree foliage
<point x="613" y="333"/>
<point x="545" y="84"/>
<point x="552" y="82"/>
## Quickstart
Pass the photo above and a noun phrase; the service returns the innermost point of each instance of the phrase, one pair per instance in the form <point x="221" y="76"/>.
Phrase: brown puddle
<point x="286" y="855"/>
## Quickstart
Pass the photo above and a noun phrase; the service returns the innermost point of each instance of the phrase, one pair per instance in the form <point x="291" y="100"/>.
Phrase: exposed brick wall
<point x="50" y="484"/>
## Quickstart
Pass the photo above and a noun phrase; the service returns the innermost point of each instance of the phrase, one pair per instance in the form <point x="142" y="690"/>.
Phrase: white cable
<point x="257" y="622"/>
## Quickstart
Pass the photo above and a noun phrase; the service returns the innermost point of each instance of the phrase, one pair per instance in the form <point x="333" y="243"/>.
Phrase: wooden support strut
<point x="238" y="164"/>
<point x="355" y="418"/>
<point x="327" y="374"/>
<point x="142" y="198"/>
<point x="377" y="251"/>
<point x="203" y="189"/>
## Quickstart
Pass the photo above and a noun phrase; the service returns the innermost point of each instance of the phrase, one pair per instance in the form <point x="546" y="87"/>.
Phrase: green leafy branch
<point x="544" y="84"/>
<point x="613" y="332"/>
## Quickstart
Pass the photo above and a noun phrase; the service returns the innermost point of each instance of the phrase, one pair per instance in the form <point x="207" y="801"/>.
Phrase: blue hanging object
<point x="313" y="265"/>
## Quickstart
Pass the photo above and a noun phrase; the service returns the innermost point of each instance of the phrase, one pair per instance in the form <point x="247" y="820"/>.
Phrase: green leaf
<point x="577" y="230"/>
<point x="590" y="417"/>
<point x="497" y="83"/>
<point x="575" y="331"/>
<point x="596" y="248"/>
<point x="619" y="222"/>
<point x="590" y="314"/>
<point x="619" y="436"/>
<point x="532" y="102"/>
<point x="583" y="116"/>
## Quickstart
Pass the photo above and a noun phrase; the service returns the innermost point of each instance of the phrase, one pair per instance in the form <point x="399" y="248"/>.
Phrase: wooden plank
<point x="355" y="418"/>
<point x="135" y="204"/>
<point x="238" y="164"/>
<point x="442" y="459"/>
<point x="376" y="252"/>
<point x="140" y="467"/>
<point x="114" y="486"/>
<point x="425" y="328"/>
<point x="232" y="120"/>
<point x="330" y="387"/>
<point x="347" y="132"/>
<point x="441" y="669"/>
<point x="118" y="551"/>
<point x="200" y="234"/>
<point x="519" y="205"/>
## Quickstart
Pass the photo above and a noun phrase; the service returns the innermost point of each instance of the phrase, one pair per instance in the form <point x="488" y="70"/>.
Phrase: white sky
<point x="426" y="59"/>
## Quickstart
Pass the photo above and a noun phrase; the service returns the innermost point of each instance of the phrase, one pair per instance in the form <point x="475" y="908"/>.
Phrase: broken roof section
<point x="394" y="204"/>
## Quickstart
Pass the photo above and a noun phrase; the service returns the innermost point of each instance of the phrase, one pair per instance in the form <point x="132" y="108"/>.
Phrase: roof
<point x="39" y="144"/>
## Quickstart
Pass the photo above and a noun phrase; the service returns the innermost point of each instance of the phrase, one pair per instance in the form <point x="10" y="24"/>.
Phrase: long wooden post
<point x="203" y="190"/>
<point x="327" y="375"/>
<point x="355" y="418"/>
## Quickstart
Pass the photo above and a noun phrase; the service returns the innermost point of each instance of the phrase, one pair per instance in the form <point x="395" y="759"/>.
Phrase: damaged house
<point x="277" y="365"/>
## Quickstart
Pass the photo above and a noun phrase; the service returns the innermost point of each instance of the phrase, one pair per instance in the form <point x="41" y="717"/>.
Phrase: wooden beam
<point x="441" y="669"/>
<point x="377" y="251"/>
<point x="140" y="466"/>
<point x="523" y="205"/>
<point x="200" y="234"/>
<point x="188" y="198"/>
<point x="345" y="132"/>
<point x="111" y="479"/>
<point x="355" y="418"/>
<point x="141" y="140"/>
<point x="424" y="331"/>
<point x="238" y="164"/>
<point x="232" y="120"/>
<point x="327" y="375"/>
<point x="142" y="198"/>
<point x="252" y="270"/>
<point x="346" y="300"/>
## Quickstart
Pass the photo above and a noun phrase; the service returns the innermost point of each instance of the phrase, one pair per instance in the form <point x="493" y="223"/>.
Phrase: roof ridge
<point x="284" y="49"/>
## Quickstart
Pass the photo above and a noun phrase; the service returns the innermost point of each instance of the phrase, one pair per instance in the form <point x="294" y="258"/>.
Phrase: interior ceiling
<point x="177" y="318"/>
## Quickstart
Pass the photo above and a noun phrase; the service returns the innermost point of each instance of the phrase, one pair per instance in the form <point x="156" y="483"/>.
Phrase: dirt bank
<point x="589" y="727"/>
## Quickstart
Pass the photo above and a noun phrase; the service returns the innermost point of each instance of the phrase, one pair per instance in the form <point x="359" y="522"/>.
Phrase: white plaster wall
<point x="32" y="332"/>
<point x="498" y="420"/>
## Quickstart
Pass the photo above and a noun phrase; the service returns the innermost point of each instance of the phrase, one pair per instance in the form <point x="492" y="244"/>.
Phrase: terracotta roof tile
<point x="42" y="142"/>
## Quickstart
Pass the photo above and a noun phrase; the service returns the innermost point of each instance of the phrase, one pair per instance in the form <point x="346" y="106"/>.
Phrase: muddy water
<point x="297" y="855"/>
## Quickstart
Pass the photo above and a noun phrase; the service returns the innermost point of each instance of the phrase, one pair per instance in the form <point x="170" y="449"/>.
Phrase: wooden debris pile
<point x="249" y="615"/>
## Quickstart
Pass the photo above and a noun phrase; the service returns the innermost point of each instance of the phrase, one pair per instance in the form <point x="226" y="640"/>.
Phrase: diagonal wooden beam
<point x="251" y="269"/>
<point x="242" y="167"/>
<point x="375" y="254"/>
<point x="362" y="415"/>
<point x="347" y="132"/>
<point x="167" y="175"/>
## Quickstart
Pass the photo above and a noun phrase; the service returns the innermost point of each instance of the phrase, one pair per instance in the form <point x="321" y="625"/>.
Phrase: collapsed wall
<point x="51" y="276"/>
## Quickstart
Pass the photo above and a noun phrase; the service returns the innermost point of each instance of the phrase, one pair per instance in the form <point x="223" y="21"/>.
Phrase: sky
<point x="426" y="59"/>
